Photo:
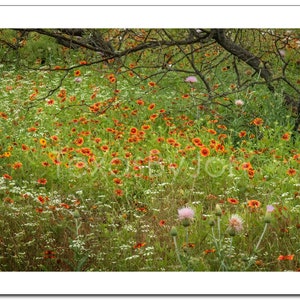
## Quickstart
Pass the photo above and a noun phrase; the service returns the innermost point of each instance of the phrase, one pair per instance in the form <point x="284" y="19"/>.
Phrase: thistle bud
<point x="211" y="222"/>
<point x="267" y="218"/>
<point x="218" y="212"/>
<point x="173" y="231"/>
<point x="76" y="214"/>
<point x="186" y="222"/>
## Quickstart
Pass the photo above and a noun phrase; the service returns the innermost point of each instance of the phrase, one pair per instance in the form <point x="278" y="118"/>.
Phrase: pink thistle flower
<point x="270" y="208"/>
<point x="235" y="224"/>
<point x="186" y="213"/>
<point x="239" y="102"/>
<point x="191" y="79"/>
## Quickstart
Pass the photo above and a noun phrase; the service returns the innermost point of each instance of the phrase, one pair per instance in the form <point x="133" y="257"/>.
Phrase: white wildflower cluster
<point x="78" y="245"/>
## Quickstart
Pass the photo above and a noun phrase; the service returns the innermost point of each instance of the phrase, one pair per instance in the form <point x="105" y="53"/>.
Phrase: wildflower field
<point x="111" y="168"/>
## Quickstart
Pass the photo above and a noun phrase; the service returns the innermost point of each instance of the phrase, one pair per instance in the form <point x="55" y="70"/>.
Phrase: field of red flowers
<point x="103" y="171"/>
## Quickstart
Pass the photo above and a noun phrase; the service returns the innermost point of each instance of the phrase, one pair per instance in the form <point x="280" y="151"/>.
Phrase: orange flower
<point x="139" y="245"/>
<point x="17" y="165"/>
<point x="212" y="131"/>
<point x="257" y="121"/>
<point x="119" y="192"/>
<point x="291" y="172"/>
<point x="25" y="147"/>
<point x="140" y="102"/>
<point x="172" y="166"/>
<point x="43" y="142"/>
<point x="7" y="176"/>
<point x="42" y="181"/>
<point x="79" y="142"/>
<point x="254" y="203"/>
<point x="162" y="223"/>
<point x="251" y="173"/>
<point x="54" y="138"/>
<point x="112" y="79"/>
<point x="117" y="181"/>
<point x="116" y="161"/>
<point x="233" y="200"/>
<point x="41" y="199"/>
<point x="65" y="205"/>
<point x="246" y="166"/>
<point x="146" y="127"/>
<point x="171" y="141"/>
<point x="197" y="142"/>
<point x="286" y="136"/>
<point x="207" y="251"/>
<point x="49" y="254"/>
<point x="286" y="257"/>
<point x="153" y="117"/>
<point x="152" y="83"/>
<point x="222" y="127"/>
<point x="154" y="151"/>
<point x="204" y="152"/>
<point x="133" y="130"/>
<point x="77" y="73"/>
<point x="80" y="164"/>
<point x="86" y="151"/>
<point x="151" y="106"/>
<point x="104" y="148"/>
<point x="242" y="133"/>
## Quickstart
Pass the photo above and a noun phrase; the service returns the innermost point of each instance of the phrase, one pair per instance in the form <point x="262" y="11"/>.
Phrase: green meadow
<point x="127" y="164"/>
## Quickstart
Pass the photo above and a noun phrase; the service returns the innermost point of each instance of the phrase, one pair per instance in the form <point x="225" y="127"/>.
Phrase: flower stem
<point x="186" y="236"/>
<point x="176" y="250"/>
<point x="260" y="239"/>
<point x="219" y="228"/>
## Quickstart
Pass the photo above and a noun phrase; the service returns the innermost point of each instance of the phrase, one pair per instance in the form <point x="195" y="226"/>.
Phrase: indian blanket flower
<point x="257" y="121"/>
<point x="235" y="224"/>
<point x="286" y="257"/>
<point x="191" y="79"/>
<point x="233" y="200"/>
<point x="254" y="203"/>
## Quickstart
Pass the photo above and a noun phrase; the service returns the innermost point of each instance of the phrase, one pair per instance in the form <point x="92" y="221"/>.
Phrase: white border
<point x="150" y="2"/>
<point x="137" y="283"/>
<point x="150" y="283"/>
<point x="149" y="16"/>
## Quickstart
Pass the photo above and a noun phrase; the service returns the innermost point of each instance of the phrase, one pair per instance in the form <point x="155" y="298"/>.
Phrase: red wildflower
<point x="7" y="176"/>
<point x="257" y="122"/>
<point x="162" y="223"/>
<point x="291" y="172"/>
<point x="204" y="152"/>
<point x="139" y="245"/>
<point x="254" y="203"/>
<point x="42" y="181"/>
<point x="286" y="257"/>
<point x="233" y="200"/>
